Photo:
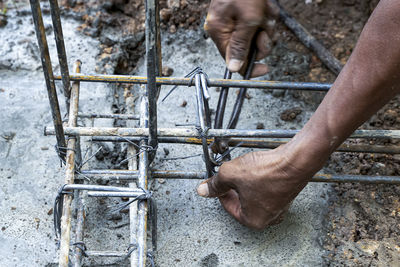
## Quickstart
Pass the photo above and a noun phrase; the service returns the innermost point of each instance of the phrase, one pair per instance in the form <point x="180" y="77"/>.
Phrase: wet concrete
<point x="192" y="231"/>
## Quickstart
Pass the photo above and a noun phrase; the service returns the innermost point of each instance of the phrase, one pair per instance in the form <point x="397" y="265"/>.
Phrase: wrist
<point x="306" y="154"/>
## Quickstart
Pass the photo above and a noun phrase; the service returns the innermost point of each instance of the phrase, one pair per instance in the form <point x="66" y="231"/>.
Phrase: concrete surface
<point x="192" y="231"/>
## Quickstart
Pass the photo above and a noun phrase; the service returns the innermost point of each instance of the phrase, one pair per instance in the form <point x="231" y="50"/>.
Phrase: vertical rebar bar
<point x="48" y="76"/>
<point x="223" y="96"/>
<point x="69" y="179"/>
<point x="201" y="115"/>
<point x="142" y="182"/>
<point x="80" y="225"/>
<point x="310" y="42"/>
<point x="133" y="208"/>
<point x="80" y="218"/>
<point x="237" y="108"/>
<point x="62" y="56"/>
<point x="153" y="64"/>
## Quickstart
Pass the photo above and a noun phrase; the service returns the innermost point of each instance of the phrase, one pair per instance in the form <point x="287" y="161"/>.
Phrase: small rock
<point x="390" y="116"/>
<point x="50" y="212"/>
<point x="167" y="71"/>
<point x="173" y="4"/>
<point x="13" y="208"/>
<point x="260" y="125"/>
<point x="108" y="50"/>
<point x="114" y="216"/>
<point x="125" y="211"/>
<point x="184" y="103"/>
<point x="3" y="20"/>
<point x="278" y="93"/>
<point x="166" y="151"/>
<point x="37" y="220"/>
<point x="290" y="114"/>
<point x="165" y="14"/>
<point x="172" y="29"/>
<point x="183" y="3"/>
<point x="44" y="148"/>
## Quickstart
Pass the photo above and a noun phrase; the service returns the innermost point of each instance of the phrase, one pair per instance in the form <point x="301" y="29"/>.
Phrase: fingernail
<point x="235" y="64"/>
<point x="202" y="190"/>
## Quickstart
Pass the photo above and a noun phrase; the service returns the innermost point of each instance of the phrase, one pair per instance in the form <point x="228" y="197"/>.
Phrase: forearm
<point x="368" y="81"/>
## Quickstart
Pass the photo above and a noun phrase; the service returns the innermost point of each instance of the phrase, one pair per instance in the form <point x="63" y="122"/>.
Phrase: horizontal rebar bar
<point x="249" y="143"/>
<point x="103" y="188"/>
<point x="256" y="84"/>
<point x="132" y="175"/>
<point x="319" y="177"/>
<point x="114" y="194"/>
<point x="94" y="253"/>
<point x="109" y="116"/>
<point x="193" y="132"/>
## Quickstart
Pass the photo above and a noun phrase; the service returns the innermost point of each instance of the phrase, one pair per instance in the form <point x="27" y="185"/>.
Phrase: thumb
<point x="213" y="187"/>
<point x="239" y="45"/>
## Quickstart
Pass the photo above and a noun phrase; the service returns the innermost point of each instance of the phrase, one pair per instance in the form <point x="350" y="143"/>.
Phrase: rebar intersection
<point x="143" y="141"/>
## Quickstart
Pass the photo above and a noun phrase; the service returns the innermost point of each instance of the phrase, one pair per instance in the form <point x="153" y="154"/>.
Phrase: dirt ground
<point x="362" y="224"/>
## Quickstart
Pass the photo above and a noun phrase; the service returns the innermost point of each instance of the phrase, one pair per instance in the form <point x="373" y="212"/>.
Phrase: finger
<point x="220" y="32"/>
<point x="239" y="44"/>
<point x="213" y="187"/>
<point x="264" y="45"/>
<point x="259" y="69"/>
<point x="231" y="203"/>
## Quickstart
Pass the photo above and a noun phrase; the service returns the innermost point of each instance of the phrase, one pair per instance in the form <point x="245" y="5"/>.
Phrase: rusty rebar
<point x="69" y="179"/>
<point x="141" y="235"/>
<point x="62" y="55"/>
<point x="177" y="174"/>
<point x="254" y="143"/>
<point x="254" y="84"/>
<point x="310" y="41"/>
<point x="193" y="132"/>
<point x="48" y="76"/>
<point x="153" y="67"/>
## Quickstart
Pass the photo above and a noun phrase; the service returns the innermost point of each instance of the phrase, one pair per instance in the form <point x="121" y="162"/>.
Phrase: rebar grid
<point x="142" y="141"/>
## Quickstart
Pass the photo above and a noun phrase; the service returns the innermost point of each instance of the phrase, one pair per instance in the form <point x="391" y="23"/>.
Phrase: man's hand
<point x="232" y="25"/>
<point x="257" y="188"/>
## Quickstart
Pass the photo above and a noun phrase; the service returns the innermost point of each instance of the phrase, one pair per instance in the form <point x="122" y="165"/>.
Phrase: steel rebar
<point x="254" y="84"/>
<point x="141" y="236"/>
<point x="80" y="216"/>
<point x="48" y="76"/>
<point x="254" y="143"/>
<point x="153" y="67"/>
<point x="237" y="107"/>
<point x="310" y="42"/>
<point x="193" y="132"/>
<point x="69" y="179"/>
<point x="319" y="177"/>
<point x="109" y="116"/>
<point x="223" y="96"/>
<point x="204" y="122"/>
<point x="62" y="56"/>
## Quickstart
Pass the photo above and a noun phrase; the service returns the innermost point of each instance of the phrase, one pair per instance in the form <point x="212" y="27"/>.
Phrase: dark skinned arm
<point x="258" y="187"/>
